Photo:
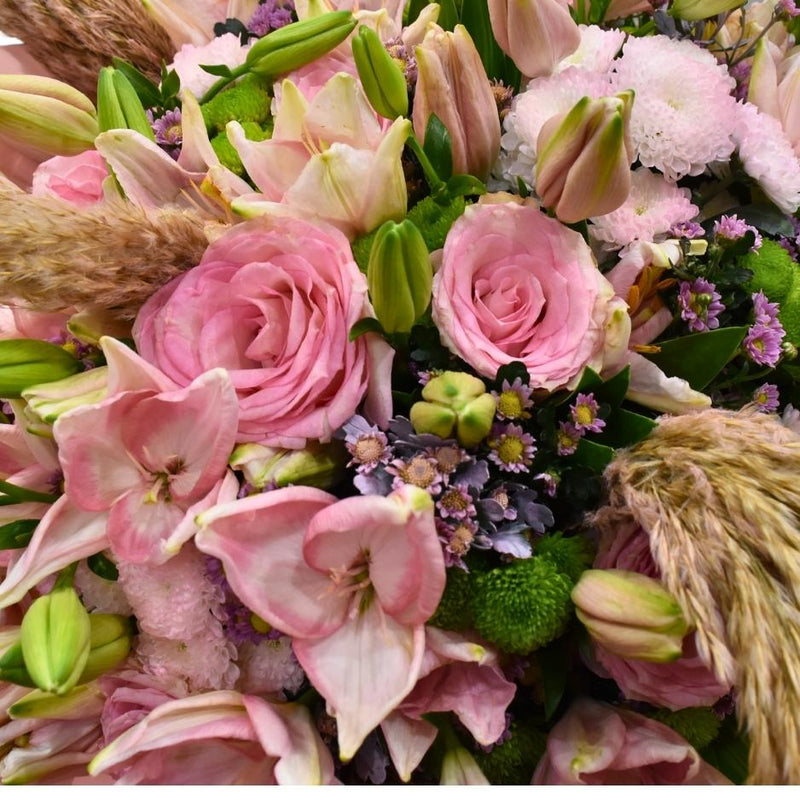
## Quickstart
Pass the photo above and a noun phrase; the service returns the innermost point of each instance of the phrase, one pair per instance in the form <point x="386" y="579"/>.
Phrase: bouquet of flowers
<point x="400" y="392"/>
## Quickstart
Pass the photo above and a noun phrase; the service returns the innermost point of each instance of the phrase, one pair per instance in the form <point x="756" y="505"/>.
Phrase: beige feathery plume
<point x="75" y="38"/>
<point x="112" y="256"/>
<point x="719" y="494"/>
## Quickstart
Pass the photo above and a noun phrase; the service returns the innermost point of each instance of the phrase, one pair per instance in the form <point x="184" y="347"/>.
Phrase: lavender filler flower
<point x="763" y="340"/>
<point x="700" y="305"/>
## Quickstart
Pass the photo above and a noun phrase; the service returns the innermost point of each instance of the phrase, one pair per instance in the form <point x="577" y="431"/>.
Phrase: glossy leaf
<point x="438" y="147"/>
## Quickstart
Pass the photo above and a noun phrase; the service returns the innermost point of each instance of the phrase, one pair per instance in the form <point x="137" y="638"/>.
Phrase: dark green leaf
<point x="170" y="85"/>
<point x="624" y="428"/>
<point x="365" y="325"/>
<point x="614" y="389"/>
<point x="463" y="185"/>
<point x="589" y="381"/>
<point x="698" y="358"/>
<point x="148" y="92"/>
<point x="414" y="7"/>
<point x="522" y="189"/>
<point x="17" y="534"/>
<point x="554" y="676"/>
<point x="103" y="567"/>
<point x="438" y="147"/>
<point x="595" y="457"/>
<point x="217" y="69"/>
<point x="448" y="14"/>
<point x="765" y="217"/>
<point x="19" y="494"/>
<point x="729" y="752"/>
<point x="509" y="372"/>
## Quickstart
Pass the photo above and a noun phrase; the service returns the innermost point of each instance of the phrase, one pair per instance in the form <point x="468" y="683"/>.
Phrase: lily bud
<point x="46" y="114"/>
<point x="109" y="645"/>
<point x="630" y="615"/>
<point x="459" y="768"/>
<point x="400" y="276"/>
<point x="536" y="34"/>
<point x="319" y="465"/>
<point x="56" y="638"/>
<point x="50" y="400"/>
<point x="382" y="79"/>
<point x="455" y="400"/>
<point x="693" y="10"/>
<point x="452" y="84"/>
<point x="26" y="362"/>
<point x="299" y="43"/>
<point x="12" y="666"/>
<point x="583" y="169"/>
<point x="118" y="105"/>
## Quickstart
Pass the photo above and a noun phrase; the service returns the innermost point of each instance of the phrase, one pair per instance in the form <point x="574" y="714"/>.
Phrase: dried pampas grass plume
<point x="719" y="493"/>
<point x="112" y="256"/>
<point x="75" y="38"/>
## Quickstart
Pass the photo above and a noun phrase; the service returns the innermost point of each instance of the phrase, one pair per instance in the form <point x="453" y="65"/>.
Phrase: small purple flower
<point x="448" y="457"/>
<point x="457" y="538"/>
<point x="763" y="340"/>
<point x="765" y="312"/>
<point x="688" y="230"/>
<point x="167" y="128"/>
<point x="584" y="414"/>
<point x="700" y="305"/>
<point x="512" y="449"/>
<point x="731" y="229"/>
<point x="513" y="400"/>
<point x="788" y="7"/>
<point x="456" y="503"/>
<point x="766" y="397"/>
<point x="567" y="438"/>
<point x="551" y="481"/>
<point x="417" y="471"/>
<point x="270" y="15"/>
<point x="367" y="444"/>
<point x="741" y="72"/>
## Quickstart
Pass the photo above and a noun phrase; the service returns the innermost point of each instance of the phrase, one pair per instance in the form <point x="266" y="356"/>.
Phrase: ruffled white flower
<point x="767" y="156"/>
<point x="596" y="51"/>
<point x="226" y="49"/>
<point x="683" y="113"/>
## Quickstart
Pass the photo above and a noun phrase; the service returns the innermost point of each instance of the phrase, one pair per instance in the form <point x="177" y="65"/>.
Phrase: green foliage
<point x="514" y="761"/>
<point x="523" y="606"/>
<point x="570" y="555"/>
<point x="247" y="101"/>
<point x="773" y="270"/>
<point x="455" y="611"/>
<point x="699" y="726"/>
<point x="435" y="221"/>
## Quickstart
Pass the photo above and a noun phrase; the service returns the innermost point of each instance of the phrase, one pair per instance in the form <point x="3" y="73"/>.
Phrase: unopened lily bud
<point x="118" y="105"/>
<point x="630" y="615"/>
<point x="400" y="276"/>
<point x="536" y="34"/>
<point x="319" y="465"/>
<point x="459" y="768"/>
<point x="109" y="645"/>
<point x="382" y="79"/>
<point x="461" y="400"/>
<point x="583" y="169"/>
<point x="50" y="400"/>
<point x="693" y="10"/>
<point x="46" y="114"/>
<point x="452" y="84"/>
<point x="26" y="362"/>
<point x="56" y="638"/>
<point x="299" y="43"/>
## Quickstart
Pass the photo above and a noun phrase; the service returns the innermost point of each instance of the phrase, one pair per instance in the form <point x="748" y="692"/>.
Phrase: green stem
<point x="431" y="177"/>
<point x="223" y="82"/>
<point x="66" y="576"/>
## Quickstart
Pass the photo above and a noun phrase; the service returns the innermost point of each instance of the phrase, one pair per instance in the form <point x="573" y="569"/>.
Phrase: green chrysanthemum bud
<point x="299" y="43"/>
<point x="56" y="639"/>
<point x="435" y="220"/>
<point x="454" y="612"/>
<point x="248" y="101"/>
<point x="699" y="726"/>
<point x="523" y="606"/>
<point x="400" y="276"/>
<point x="383" y="81"/>
<point x="118" y="105"/>
<point x="773" y="270"/>
<point x="27" y="362"/>
<point x="571" y="555"/>
<point x="226" y="152"/>
<point x="513" y="762"/>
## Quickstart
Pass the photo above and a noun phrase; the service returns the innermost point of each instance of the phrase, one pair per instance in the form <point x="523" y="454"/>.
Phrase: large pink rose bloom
<point x="674" y="685"/>
<point x="273" y="302"/>
<point x="76" y="179"/>
<point x="515" y="285"/>
<point x="598" y="745"/>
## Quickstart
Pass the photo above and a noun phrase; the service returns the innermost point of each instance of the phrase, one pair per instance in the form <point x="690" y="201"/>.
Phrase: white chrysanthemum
<point x="767" y="156"/>
<point x="596" y="51"/>
<point x="653" y="206"/>
<point x="544" y="98"/>
<point x="683" y="113"/>
<point x="102" y="596"/>
<point x="269" y="667"/>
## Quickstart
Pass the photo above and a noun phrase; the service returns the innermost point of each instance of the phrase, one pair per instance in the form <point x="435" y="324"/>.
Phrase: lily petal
<point x="408" y="740"/>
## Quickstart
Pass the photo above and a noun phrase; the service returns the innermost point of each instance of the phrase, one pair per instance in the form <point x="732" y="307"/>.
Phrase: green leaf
<point x="510" y="372"/>
<point x="592" y="455"/>
<point x="17" y="534"/>
<point x="613" y="390"/>
<point x="219" y="70"/>
<point x="438" y="147"/>
<point x="170" y="85"/>
<point x="463" y="185"/>
<point x="103" y="567"/>
<point x="554" y="676"/>
<point x="699" y="357"/>
<point x="448" y="14"/>
<point x="765" y="217"/>
<point x="148" y="92"/>
<point x="414" y="8"/>
<point x="19" y="494"/>
<point x="624" y="428"/>
<point x="365" y="325"/>
<point x="589" y="381"/>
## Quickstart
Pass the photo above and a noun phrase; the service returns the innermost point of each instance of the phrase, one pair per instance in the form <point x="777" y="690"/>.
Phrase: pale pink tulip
<point x="352" y="581"/>
<point x="599" y="745"/>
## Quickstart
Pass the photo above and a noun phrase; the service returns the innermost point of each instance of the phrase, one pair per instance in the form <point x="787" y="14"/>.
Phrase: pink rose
<point x="515" y="285"/>
<point x="598" y="745"/>
<point x="76" y="179"/>
<point x="273" y="302"/>
<point x="674" y="685"/>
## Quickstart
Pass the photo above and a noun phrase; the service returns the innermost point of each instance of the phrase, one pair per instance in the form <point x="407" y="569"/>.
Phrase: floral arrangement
<point x="400" y="392"/>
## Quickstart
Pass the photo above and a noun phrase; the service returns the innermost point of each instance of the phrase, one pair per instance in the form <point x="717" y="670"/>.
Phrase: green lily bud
<point x="73" y="705"/>
<point x="50" y="400"/>
<point x="319" y="465"/>
<point x="118" y="105"/>
<point x="383" y="81"/>
<point x="459" y="768"/>
<point x="12" y="667"/>
<point x="693" y="10"/>
<point x="56" y="638"/>
<point x="630" y="615"/>
<point x="46" y="114"/>
<point x="26" y="362"/>
<point x="471" y="408"/>
<point x="109" y="644"/>
<point x="299" y="43"/>
<point x="400" y="276"/>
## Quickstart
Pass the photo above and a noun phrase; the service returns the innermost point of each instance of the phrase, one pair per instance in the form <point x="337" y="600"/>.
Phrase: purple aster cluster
<point x="731" y="229"/>
<point x="792" y="243"/>
<point x="763" y="340"/>
<point x="788" y="7"/>
<point x="741" y="73"/>
<point x="404" y="58"/>
<point x="687" y="230"/>
<point x="700" y="305"/>
<point x="471" y="509"/>
<point x="584" y="418"/>
<point x="270" y="15"/>
<point x="766" y="397"/>
<point x="167" y="128"/>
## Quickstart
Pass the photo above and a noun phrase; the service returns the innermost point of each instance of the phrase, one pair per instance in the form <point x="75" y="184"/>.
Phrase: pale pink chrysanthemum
<point x="596" y="51"/>
<point x="100" y="595"/>
<point x="683" y="113"/>
<point x="654" y="205"/>
<point x="226" y="49"/>
<point x="767" y="156"/>
<point x="544" y="98"/>
<point x="268" y="667"/>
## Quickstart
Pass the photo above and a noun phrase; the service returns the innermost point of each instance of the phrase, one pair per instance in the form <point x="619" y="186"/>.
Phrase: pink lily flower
<point x="221" y="738"/>
<point x="353" y="581"/>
